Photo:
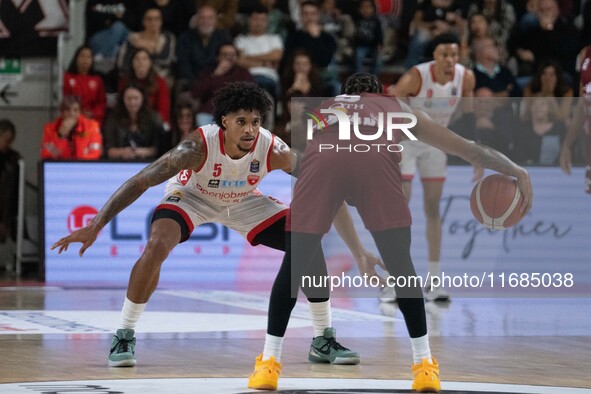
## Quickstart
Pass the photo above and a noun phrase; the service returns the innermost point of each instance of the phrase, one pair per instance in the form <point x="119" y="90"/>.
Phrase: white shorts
<point x="430" y="161"/>
<point x="249" y="217"/>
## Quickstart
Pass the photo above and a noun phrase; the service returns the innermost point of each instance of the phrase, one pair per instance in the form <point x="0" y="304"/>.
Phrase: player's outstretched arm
<point x="189" y="154"/>
<point x="442" y="138"/>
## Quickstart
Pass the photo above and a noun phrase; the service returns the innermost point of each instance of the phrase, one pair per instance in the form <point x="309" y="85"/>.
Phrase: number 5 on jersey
<point x="217" y="169"/>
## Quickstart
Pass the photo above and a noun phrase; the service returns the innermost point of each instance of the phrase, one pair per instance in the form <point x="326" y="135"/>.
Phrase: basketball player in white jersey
<point x="212" y="177"/>
<point x="436" y="87"/>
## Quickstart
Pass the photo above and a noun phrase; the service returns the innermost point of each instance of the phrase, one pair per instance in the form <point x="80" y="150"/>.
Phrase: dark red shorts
<point x="370" y="181"/>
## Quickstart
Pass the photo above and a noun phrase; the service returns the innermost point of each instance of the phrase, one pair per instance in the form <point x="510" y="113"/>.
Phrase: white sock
<point x="130" y="314"/>
<point x="434" y="268"/>
<point x="321" y="317"/>
<point x="273" y="347"/>
<point x="420" y="349"/>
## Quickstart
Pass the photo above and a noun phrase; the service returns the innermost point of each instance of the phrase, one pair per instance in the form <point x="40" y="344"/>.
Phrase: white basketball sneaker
<point x="436" y="294"/>
<point x="387" y="294"/>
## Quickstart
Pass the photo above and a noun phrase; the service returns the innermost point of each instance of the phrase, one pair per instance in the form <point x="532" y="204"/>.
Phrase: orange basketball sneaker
<point x="265" y="375"/>
<point x="426" y="377"/>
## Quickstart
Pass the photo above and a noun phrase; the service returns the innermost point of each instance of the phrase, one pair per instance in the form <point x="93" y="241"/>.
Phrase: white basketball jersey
<point x="438" y="101"/>
<point x="221" y="179"/>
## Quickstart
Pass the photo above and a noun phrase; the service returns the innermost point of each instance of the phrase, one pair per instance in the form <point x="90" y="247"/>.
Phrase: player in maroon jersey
<point x="582" y="114"/>
<point x="371" y="181"/>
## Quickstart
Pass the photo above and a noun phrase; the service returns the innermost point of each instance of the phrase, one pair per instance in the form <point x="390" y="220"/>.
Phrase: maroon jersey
<point x="364" y="172"/>
<point x="585" y="77"/>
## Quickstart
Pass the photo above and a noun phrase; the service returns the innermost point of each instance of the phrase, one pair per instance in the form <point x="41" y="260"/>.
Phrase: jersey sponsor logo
<point x="214" y="183"/>
<point x="184" y="176"/>
<point x="224" y="196"/>
<point x="80" y="217"/>
<point x="253" y="179"/>
<point x="255" y="165"/>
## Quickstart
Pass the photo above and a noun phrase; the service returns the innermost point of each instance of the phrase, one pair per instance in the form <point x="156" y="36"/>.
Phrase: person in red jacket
<point x="72" y="136"/>
<point x="81" y="80"/>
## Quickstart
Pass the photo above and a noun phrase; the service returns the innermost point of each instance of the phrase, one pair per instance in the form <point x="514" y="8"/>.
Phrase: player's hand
<point x="565" y="160"/>
<point x="478" y="173"/>
<point x="86" y="235"/>
<point x="367" y="264"/>
<point x="524" y="183"/>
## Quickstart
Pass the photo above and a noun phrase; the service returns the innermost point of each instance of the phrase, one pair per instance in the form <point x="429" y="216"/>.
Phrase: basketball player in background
<point x="436" y="87"/>
<point x="373" y="184"/>
<point x="213" y="176"/>
<point x="581" y="120"/>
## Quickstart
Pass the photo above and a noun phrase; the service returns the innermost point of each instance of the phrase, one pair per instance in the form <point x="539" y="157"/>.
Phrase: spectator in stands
<point x="175" y="13"/>
<point x="278" y="21"/>
<point x="291" y="128"/>
<point x="226" y="12"/>
<point x="432" y="18"/>
<point x="318" y="43"/>
<point x="538" y="142"/>
<point x="226" y="70"/>
<point x="143" y="73"/>
<point x="8" y="183"/>
<point x="549" y="82"/>
<point x="260" y="52"/>
<point x="71" y="136"/>
<point x="493" y="111"/>
<point x="107" y="26"/>
<point x="551" y="38"/>
<point x="478" y="27"/>
<point x="182" y="124"/>
<point x="81" y="80"/>
<point x="133" y="131"/>
<point x="340" y="26"/>
<point x="161" y="45"/>
<point x="301" y="75"/>
<point x="390" y="13"/>
<point x="501" y="18"/>
<point x="197" y="47"/>
<point x="369" y="37"/>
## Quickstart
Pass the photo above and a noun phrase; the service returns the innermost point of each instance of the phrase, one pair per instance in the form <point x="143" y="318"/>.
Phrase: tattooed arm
<point x="189" y="154"/>
<point x="442" y="138"/>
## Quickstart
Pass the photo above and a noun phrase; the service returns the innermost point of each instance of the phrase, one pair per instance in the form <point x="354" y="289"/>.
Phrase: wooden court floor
<point x="57" y="334"/>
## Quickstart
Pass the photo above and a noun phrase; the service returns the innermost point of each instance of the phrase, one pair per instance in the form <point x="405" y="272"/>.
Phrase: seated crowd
<point x="148" y="70"/>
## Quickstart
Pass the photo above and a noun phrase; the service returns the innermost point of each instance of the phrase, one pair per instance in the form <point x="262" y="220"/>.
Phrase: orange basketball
<point x="495" y="202"/>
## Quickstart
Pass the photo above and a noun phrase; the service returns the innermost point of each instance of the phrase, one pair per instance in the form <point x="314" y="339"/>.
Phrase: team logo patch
<point x="429" y="93"/>
<point x="177" y="193"/>
<point x="454" y="91"/>
<point x="174" y="199"/>
<point x="214" y="183"/>
<point x="184" y="176"/>
<point x="253" y="179"/>
<point x="255" y="165"/>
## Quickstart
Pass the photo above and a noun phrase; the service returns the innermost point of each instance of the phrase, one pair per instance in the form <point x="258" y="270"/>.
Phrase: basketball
<point x="495" y="202"/>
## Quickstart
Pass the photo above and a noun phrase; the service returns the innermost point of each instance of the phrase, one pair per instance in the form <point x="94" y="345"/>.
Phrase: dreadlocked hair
<point x="236" y="96"/>
<point x="362" y="83"/>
